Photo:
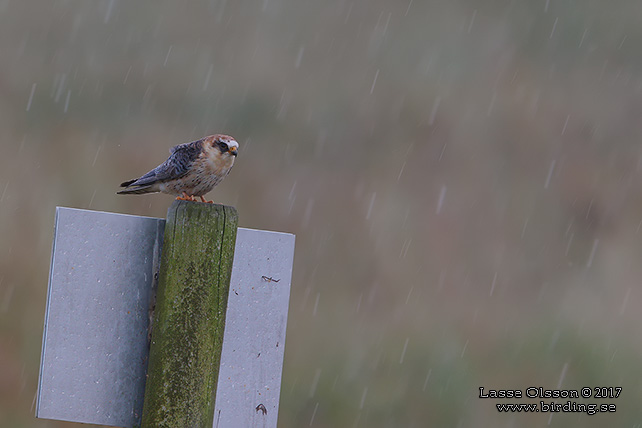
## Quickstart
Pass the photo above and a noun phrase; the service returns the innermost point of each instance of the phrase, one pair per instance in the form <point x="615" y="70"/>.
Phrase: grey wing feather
<point x="176" y="166"/>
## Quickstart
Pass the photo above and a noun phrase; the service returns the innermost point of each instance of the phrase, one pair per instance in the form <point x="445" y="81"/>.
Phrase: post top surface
<point x="58" y="208"/>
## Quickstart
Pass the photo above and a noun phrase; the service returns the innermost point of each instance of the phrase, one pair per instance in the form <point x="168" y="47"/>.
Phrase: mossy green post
<point x="189" y="319"/>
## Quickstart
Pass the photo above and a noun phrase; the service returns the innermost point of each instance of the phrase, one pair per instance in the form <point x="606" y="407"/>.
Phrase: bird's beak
<point x="233" y="151"/>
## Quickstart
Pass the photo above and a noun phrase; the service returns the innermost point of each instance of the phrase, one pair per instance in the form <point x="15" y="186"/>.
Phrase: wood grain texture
<point x="189" y="319"/>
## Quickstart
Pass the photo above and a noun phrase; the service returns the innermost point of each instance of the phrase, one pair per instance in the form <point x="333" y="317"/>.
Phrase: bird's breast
<point x="216" y="163"/>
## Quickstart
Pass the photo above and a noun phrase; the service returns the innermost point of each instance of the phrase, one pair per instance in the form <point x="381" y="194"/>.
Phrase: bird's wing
<point x="176" y="166"/>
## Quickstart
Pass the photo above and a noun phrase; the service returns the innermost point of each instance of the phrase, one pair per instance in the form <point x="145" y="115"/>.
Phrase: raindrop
<point x="592" y="255"/>
<point x="96" y="157"/>
<point x="221" y="10"/>
<point x="385" y="27"/>
<point x="345" y="21"/>
<point x="409" y="294"/>
<point x="33" y="403"/>
<point x="4" y="191"/>
<point x="372" y="201"/>
<point x="405" y="218"/>
<point x="524" y="228"/>
<point x="316" y="305"/>
<point x="374" y="82"/>
<point x="315" y="382"/>
<point x="426" y="381"/>
<point x="291" y="195"/>
<point x="550" y="173"/>
<point x="403" y="353"/>
<point x="316" y="406"/>
<point x="401" y="171"/>
<point x="108" y="13"/>
<point x="127" y="75"/>
<point x="626" y="299"/>
<point x="33" y="91"/>
<point x="61" y="86"/>
<point x="404" y="248"/>
<point x="492" y="286"/>
<point x="588" y="210"/>
<point x="562" y="376"/>
<point x="7" y="296"/>
<point x="408" y="9"/>
<point x="308" y="212"/>
<point x="284" y="103"/>
<point x="440" y="201"/>
<point x="582" y="39"/>
<point x="67" y="100"/>
<point x="167" y="56"/>
<point x="472" y="20"/>
<point x="443" y="149"/>
<point x="463" y="351"/>
<point x="489" y="110"/>
<point x="568" y="245"/>
<point x="363" y="397"/>
<point x="91" y="201"/>
<point x="565" y="124"/>
<point x="553" y="30"/>
<point x="292" y="199"/>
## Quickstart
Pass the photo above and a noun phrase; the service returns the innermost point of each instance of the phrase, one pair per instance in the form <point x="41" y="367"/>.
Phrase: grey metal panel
<point x="94" y="353"/>
<point x="255" y="325"/>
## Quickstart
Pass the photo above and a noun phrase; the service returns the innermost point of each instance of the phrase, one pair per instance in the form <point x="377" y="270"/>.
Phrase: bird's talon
<point x="186" y="197"/>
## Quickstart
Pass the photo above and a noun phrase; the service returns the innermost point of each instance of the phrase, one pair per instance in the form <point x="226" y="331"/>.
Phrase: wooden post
<point x="189" y="319"/>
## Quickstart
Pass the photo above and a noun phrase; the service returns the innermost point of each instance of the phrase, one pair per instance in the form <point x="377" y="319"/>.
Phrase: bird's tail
<point x="128" y="183"/>
<point x="134" y="190"/>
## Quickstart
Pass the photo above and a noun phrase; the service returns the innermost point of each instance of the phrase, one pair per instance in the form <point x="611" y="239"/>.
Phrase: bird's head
<point x="226" y="145"/>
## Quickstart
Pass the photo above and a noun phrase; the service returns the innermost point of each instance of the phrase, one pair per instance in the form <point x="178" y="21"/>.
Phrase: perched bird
<point x="192" y="169"/>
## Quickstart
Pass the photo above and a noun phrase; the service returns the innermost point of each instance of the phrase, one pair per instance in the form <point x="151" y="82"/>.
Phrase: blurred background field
<point x="463" y="177"/>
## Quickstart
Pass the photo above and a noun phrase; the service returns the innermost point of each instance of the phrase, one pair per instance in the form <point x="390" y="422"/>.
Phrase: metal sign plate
<point x="249" y="383"/>
<point x="94" y="350"/>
